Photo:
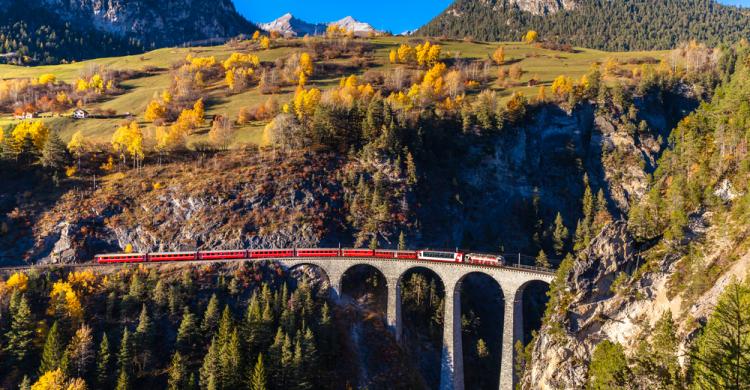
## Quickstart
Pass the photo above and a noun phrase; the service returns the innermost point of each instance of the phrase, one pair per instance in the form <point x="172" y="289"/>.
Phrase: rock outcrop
<point x="155" y="24"/>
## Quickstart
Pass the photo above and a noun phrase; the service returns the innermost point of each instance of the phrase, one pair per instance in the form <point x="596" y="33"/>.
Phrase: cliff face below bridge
<point x="485" y="191"/>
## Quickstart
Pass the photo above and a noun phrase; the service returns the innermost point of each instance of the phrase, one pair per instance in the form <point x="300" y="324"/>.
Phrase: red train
<point x="248" y="254"/>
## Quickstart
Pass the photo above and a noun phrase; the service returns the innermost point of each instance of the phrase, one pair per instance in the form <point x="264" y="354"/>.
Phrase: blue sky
<point x="393" y="15"/>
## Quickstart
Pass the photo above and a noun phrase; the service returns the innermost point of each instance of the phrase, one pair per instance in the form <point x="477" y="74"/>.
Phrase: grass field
<point x="537" y="63"/>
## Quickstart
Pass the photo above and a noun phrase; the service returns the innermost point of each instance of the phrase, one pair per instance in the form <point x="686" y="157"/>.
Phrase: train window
<point x="441" y="255"/>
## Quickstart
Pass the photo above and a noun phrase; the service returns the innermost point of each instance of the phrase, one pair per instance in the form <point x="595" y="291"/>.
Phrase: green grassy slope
<point x="537" y="63"/>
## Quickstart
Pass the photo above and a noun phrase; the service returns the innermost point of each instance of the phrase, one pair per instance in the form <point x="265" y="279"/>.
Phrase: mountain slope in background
<point x="599" y="24"/>
<point x="290" y="26"/>
<point x="51" y="31"/>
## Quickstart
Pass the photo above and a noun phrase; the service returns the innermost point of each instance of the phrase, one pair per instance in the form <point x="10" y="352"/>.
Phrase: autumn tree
<point x="80" y="351"/>
<point x="128" y="139"/>
<point x="77" y="146"/>
<point x="499" y="55"/>
<point x="531" y="36"/>
<point x="222" y="132"/>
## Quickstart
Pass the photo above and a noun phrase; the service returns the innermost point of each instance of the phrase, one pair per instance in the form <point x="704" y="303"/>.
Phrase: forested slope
<point x="601" y="24"/>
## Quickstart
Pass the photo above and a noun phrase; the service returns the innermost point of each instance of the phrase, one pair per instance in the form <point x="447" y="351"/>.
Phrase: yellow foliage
<point x="334" y="30"/>
<point x="47" y="78"/>
<point x="305" y="102"/>
<point x="155" y="110"/>
<point x="82" y="282"/>
<point x="169" y="138"/>
<point x="51" y="380"/>
<point x="158" y="185"/>
<point x="128" y="248"/>
<point x="198" y="63"/>
<point x="166" y="97"/>
<point x="472" y="84"/>
<point x="65" y="299"/>
<point x="82" y="85"/>
<point x="541" y="95"/>
<point x="562" y="86"/>
<point x="499" y="55"/>
<point x="62" y="98"/>
<point x="265" y="43"/>
<point x="129" y="138"/>
<point x="393" y="56"/>
<point x="256" y="35"/>
<point x="427" y="54"/>
<point x="240" y="60"/>
<point x="18" y="281"/>
<point x="531" y="36"/>
<point x="305" y="64"/>
<point x="199" y="109"/>
<point x="406" y="54"/>
<point x="229" y="78"/>
<point x="71" y="171"/>
<point x="610" y="67"/>
<point x="585" y="83"/>
<point x="109" y="165"/>
<point x="37" y="130"/>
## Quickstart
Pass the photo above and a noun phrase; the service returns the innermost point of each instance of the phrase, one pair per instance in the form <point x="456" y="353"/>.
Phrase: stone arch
<point x="420" y="336"/>
<point x="314" y="271"/>
<point x="369" y="276"/>
<point x="532" y="300"/>
<point x="483" y="294"/>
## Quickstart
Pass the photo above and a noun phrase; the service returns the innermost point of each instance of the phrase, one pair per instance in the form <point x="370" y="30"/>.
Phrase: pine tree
<point x="258" y="378"/>
<point x="160" y="296"/>
<point x="402" y="241"/>
<point x="589" y="210"/>
<point x="21" y="333"/>
<point x="210" y="370"/>
<point x="144" y="339"/>
<point x="559" y="235"/>
<point x="274" y="354"/>
<point x="55" y="155"/>
<point x="176" y="373"/>
<point x="124" y="360"/>
<point x="287" y="361"/>
<point x="722" y="350"/>
<point x="211" y="317"/>
<point x="312" y="364"/>
<point x="665" y="349"/>
<point x="103" y="361"/>
<point x="299" y="370"/>
<point x="187" y="333"/>
<point x="53" y="350"/>
<point x="123" y="380"/>
<point x="609" y="367"/>
<point x="25" y="383"/>
<point x="231" y="362"/>
<point x="411" y="169"/>
<point x="542" y="261"/>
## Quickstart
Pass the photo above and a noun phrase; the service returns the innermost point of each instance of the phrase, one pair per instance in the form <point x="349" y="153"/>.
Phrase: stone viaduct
<point x="512" y="281"/>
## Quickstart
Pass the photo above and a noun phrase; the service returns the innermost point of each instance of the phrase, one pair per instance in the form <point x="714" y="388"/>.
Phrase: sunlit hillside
<point x="538" y="66"/>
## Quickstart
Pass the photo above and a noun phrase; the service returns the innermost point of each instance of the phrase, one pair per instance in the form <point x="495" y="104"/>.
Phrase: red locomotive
<point x="250" y="254"/>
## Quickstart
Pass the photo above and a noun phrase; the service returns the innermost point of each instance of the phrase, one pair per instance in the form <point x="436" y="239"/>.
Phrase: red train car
<point x="223" y="255"/>
<point x="173" y="256"/>
<point x="312" y="252"/>
<point x="270" y="253"/>
<point x="357" y="253"/>
<point x="121" y="258"/>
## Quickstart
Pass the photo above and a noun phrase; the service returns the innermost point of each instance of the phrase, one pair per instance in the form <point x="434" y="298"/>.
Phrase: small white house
<point x="24" y="115"/>
<point x="80" y="114"/>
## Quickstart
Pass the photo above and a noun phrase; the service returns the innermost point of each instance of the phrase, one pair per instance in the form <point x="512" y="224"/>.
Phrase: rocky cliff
<point x="156" y="23"/>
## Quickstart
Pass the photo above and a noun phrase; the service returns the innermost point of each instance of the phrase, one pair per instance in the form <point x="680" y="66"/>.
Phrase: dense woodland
<point x="212" y="327"/>
<point x="601" y="24"/>
<point x="31" y="35"/>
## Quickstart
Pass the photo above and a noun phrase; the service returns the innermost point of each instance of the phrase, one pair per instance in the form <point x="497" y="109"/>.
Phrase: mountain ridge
<point x="291" y="26"/>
